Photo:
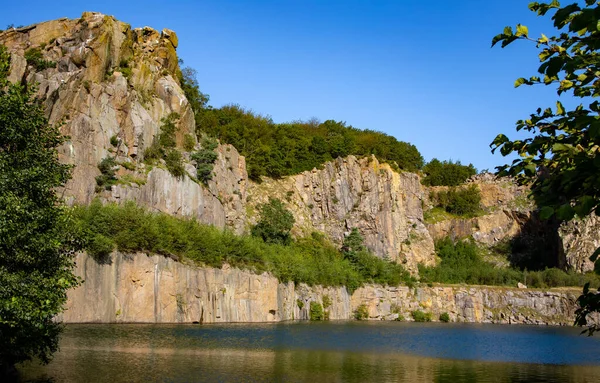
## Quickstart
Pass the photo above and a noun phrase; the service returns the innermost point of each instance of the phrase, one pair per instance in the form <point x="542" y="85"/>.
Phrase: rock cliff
<point x="506" y="206"/>
<point x="348" y="193"/>
<point x="114" y="84"/>
<point x="155" y="289"/>
<point x="111" y="87"/>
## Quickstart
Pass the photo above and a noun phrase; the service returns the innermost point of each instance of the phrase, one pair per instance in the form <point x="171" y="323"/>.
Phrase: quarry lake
<point x="321" y="352"/>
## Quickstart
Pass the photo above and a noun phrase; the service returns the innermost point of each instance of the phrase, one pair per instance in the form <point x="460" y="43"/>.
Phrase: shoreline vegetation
<point x="312" y="260"/>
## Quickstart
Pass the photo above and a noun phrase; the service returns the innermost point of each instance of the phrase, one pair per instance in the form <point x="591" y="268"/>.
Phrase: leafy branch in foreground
<point x="36" y="240"/>
<point x="560" y="160"/>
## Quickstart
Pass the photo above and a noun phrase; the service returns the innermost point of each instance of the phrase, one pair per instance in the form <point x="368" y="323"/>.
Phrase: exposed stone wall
<point x="156" y="289"/>
<point x="385" y="206"/>
<point x="579" y="239"/>
<point x="506" y="207"/>
<point x="114" y="81"/>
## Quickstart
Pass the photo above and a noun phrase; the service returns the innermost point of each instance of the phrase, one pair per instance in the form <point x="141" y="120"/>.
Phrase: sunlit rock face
<point x="384" y="205"/>
<point x="114" y="82"/>
<point x="155" y="289"/>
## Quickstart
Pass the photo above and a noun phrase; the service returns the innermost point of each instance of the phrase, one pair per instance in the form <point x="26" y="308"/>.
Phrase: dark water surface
<point x="321" y="352"/>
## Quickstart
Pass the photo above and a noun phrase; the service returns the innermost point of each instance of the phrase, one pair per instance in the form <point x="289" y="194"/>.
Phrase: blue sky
<point x="422" y="71"/>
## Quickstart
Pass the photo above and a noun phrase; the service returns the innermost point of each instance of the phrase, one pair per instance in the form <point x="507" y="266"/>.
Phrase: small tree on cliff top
<point x="561" y="160"/>
<point x="35" y="253"/>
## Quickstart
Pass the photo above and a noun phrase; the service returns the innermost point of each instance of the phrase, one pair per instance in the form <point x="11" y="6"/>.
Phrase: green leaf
<point x="565" y="212"/>
<point x="558" y="147"/>
<point x="566" y="84"/>
<point x="530" y="169"/>
<point x="546" y="212"/>
<point x="559" y="108"/>
<point x="522" y="30"/>
<point x="543" y="39"/>
<point x="519" y="82"/>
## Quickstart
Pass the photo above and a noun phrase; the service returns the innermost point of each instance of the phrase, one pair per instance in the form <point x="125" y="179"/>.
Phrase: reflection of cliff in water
<point x="334" y="352"/>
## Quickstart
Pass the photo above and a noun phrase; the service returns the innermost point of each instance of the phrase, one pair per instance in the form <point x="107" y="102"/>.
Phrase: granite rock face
<point x="506" y="205"/>
<point x="155" y="289"/>
<point x="579" y="239"/>
<point x="385" y="206"/>
<point x="113" y="83"/>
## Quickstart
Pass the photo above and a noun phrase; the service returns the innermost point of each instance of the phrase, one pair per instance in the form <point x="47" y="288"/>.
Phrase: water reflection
<point x="332" y="352"/>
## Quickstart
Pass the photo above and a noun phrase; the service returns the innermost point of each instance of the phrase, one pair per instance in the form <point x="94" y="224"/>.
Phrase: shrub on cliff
<point x="164" y="147"/>
<point x="205" y="159"/>
<point x="316" y="311"/>
<point x="36" y="245"/>
<point x="34" y="57"/>
<point x="275" y="223"/>
<point x="361" y="312"/>
<point x="372" y="269"/>
<point x="420" y="316"/>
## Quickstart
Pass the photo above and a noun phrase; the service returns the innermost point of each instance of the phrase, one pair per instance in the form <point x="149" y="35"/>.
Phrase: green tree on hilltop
<point x="35" y="252"/>
<point x="560" y="159"/>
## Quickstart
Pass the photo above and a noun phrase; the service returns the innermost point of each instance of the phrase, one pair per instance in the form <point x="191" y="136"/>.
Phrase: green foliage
<point x="326" y="301"/>
<point x="300" y="303"/>
<point x="395" y="309"/>
<point x="462" y="262"/>
<point x="420" y="316"/>
<point x="124" y="68"/>
<point x="189" y="84"/>
<point x="560" y="157"/>
<point x="309" y="260"/>
<point x="174" y="163"/>
<point x="462" y="201"/>
<point x="130" y="228"/>
<point x="108" y="177"/>
<point x="446" y="173"/>
<point x="316" y="311"/>
<point x="361" y="312"/>
<point x="444" y="317"/>
<point x="114" y="140"/>
<point x="373" y="269"/>
<point x="205" y="159"/>
<point x="34" y="57"/>
<point x="4" y="64"/>
<point x="164" y="147"/>
<point x="36" y="236"/>
<point x="277" y="150"/>
<point x="189" y="142"/>
<point x="275" y="223"/>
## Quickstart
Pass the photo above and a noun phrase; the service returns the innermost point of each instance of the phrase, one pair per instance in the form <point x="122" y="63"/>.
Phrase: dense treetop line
<point x="447" y="173"/>
<point x="277" y="150"/>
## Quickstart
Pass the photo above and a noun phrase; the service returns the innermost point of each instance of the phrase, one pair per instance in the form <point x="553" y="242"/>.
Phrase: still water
<point x="321" y="352"/>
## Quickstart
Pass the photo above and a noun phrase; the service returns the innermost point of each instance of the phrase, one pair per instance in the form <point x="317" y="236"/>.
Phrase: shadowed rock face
<point x="357" y="193"/>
